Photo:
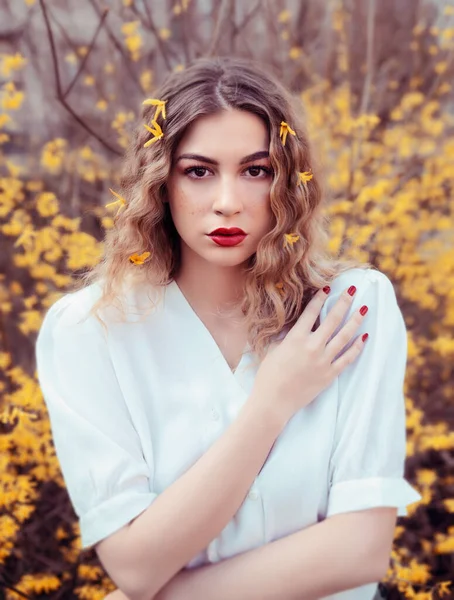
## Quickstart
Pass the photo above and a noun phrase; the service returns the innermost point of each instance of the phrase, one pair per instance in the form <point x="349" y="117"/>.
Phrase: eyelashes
<point x="266" y="170"/>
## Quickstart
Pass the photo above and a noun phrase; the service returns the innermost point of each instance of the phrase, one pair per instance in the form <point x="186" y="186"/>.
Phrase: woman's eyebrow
<point x="211" y="161"/>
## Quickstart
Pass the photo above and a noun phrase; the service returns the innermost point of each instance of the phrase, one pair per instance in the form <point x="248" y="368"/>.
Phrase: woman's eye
<point x="196" y="170"/>
<point x="254" y="171"/>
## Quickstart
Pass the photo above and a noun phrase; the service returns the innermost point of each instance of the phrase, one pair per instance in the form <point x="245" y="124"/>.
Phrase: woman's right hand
<point x="296" y="369"/>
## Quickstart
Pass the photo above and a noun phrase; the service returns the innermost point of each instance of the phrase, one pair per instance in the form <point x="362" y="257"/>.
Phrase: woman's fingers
<point x="307" y="318"/>
<point x="334" y="317"/>
<point x="348" y="357"/>
<point x="345" y="335"/>
<point x="324" y="337"/>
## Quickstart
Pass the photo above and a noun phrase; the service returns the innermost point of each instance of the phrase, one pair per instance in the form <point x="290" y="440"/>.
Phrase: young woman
<point x="213" y="400"/>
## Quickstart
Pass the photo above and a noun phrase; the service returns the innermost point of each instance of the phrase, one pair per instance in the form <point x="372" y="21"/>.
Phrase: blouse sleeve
<point x="96" y="444"/>
<point x="369" y="449"/>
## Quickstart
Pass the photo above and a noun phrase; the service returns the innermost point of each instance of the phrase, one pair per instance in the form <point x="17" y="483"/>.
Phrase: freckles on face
<point x="184" y="200"/>
<point x="222" y="157"/>
<point x="221" y="176"/>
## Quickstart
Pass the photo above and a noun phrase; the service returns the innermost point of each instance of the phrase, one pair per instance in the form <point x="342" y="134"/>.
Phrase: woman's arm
<point x="339" y="553"/>
<point x="191" y="512"/>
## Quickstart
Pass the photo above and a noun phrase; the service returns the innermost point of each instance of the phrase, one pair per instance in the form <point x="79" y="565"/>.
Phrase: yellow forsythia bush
<point x="379" y="111"/>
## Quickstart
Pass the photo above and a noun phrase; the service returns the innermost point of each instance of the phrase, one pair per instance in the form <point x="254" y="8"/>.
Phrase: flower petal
<point x="290" y="238"/>
<point x="285" y="129"/>
<point x="305" y="176"/>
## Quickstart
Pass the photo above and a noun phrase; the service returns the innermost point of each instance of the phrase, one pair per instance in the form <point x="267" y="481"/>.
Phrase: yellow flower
<point x="280" y="287"/>
<point x="47" y="204"/>
<point x="164" y="33"/>
<point x="295" y="52"/>
<point x="10" y="63"/>
<point x="285" y="129"/>
<point x="130" y="28"/>
<point x="139" y="259"/>
<point x="101" y="104"/>
<point x="305" y="176"/>
<point x="284" y="16"/>
<point x="11" y="98"/>
<point x="4" y="119"/>
<point x="71" y="58"/>
<point x="290" y="238"/>
<point x="146" y="78"/>
<point x="25" y="238"/>
<point x="157" y="132"/>
<point x="160" y="107"/>
<point x="120" y="201"/>
<point x="53" y="155"/>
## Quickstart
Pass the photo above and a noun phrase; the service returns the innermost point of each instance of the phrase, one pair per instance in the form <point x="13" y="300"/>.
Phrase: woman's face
<point x="221" y="177"/>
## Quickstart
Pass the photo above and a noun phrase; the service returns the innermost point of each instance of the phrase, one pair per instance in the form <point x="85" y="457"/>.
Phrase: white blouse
<point x="131" y="412"/>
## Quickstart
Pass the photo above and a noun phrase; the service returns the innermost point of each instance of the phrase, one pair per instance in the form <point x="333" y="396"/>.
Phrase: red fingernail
<point x="351" y="290"/>
<point x="327" y="289"/>
<point x="363" y="310"/>
<point x="365" y="336"/>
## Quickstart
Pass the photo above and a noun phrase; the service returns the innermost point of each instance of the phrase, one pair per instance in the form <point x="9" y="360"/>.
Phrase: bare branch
<point x="90" y="49"/>
<point x="369" y="57"/>
<point x="224" y="16"/>
<point x="119" y="47"/>
<point x="60" y="95"/>
<point x="152" y="27"/>
<point x="237" y="29"/>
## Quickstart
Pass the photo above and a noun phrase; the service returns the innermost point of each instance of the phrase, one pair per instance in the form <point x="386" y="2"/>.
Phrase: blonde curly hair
<point x="279" y="282"/>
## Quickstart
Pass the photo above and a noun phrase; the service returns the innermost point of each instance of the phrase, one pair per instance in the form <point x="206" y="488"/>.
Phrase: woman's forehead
<point x="225" y="134"/>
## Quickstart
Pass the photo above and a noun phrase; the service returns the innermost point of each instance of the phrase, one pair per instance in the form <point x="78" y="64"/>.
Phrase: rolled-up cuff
<point x="360" y="494"/>
<point x="111" y="515"/>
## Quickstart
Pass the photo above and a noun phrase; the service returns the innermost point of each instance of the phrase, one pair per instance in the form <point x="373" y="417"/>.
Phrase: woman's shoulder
<point x="128" y="305"/>
<point x="71" y="308"/>
<point x="360" y="278"/>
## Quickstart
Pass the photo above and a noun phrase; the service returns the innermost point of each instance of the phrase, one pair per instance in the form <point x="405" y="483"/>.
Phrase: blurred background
<point x="375" y="80"/>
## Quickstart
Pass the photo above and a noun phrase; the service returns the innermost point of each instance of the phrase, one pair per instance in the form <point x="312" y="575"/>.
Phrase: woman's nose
<point x="227" y="198"/>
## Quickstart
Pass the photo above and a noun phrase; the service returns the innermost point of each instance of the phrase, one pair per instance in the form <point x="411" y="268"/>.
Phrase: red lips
<point x="227" y="231"/>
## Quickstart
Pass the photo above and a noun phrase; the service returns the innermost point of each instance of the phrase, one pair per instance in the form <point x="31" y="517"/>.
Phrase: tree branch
<point x="153" y="28"/>
<point x="60" y="94"/>
<point x="90" y="48"/>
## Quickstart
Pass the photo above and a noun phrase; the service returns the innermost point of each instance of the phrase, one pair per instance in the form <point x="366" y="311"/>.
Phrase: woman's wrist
<point x="266" y="408"/>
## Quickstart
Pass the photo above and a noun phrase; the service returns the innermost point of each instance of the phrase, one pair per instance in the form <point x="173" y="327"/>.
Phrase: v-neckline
<point x="205" y="332"/>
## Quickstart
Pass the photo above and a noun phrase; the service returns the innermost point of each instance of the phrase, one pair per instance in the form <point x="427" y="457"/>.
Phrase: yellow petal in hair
<point x="280" y="287"/>
<point x="285" y="129"/>
<point x="290" y="238"/>
<point x="160" y="107"/>
<point x="139" y="259"/>
<point x="157" y="133"/>
<point x="121" y="202"/>
<point x="305" y="176"/>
